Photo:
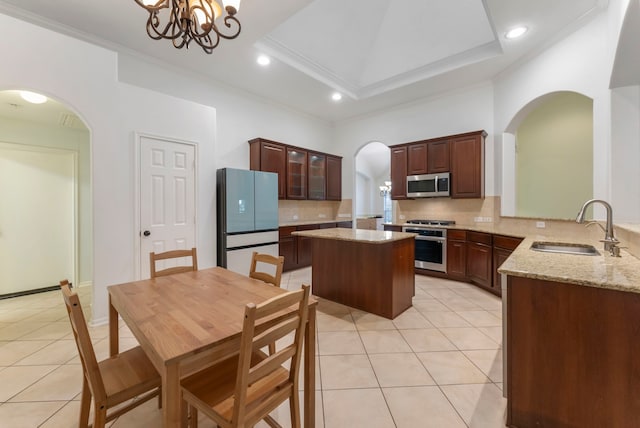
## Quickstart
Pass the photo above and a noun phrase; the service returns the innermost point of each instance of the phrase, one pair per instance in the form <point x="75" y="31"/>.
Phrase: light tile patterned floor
<point x="439" y="364"/>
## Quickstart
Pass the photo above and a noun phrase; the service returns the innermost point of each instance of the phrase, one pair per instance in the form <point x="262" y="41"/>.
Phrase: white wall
<point x="466" y="110"/>
<point x="86" y="78"/>
<point x="34" y="134"/>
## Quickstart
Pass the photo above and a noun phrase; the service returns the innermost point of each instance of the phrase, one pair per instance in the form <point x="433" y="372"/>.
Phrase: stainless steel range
<point x="431" y="243"/>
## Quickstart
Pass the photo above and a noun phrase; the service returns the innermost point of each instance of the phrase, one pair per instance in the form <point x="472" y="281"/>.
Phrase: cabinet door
<point x="417" y="159"/>
<point x="499" y="256"/>
<point x="398" y="173"/>
<point x="317" y="176"/>
<point x="392" y="228"/>
<point x="467" y="166"/>
<point x="479" y="259"/>
<point x="287" y="247"/>
<point x="437" y="157"/>
<point x="296" y="173"/>
<point x="457" y="259"/>
<point x="269" y="157"/>
<point x="334" y="178"/>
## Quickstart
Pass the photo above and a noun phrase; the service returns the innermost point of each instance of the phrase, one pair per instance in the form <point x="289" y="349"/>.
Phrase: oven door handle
<point x="431" y="238"/>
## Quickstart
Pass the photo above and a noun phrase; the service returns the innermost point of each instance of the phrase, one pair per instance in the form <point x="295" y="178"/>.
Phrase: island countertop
<point x="601" y="271"/>
<point x="356" y="235"/>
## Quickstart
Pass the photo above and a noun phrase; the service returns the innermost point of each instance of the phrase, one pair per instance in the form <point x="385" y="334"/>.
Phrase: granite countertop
<point x="319" y="221"/>
<point x="358" y="235"/>
<point x="601" y="271"/>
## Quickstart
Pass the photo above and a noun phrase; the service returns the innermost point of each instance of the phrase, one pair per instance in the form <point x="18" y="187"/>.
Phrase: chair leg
<point x="100" y="416"/>
<point x="272" y="348"/>
<point x="160" y="397"/>
<point x="85" y="404"/>
<point x="294" y="408"/>
<point x="193" y="417"/>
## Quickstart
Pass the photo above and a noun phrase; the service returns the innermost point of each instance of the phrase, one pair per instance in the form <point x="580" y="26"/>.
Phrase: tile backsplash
<point x="291" y="210"/>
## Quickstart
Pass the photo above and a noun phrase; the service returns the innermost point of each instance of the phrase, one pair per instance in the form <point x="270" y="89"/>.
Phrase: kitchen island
<point x="370" y="270"/>
<point x="572" y="338"/>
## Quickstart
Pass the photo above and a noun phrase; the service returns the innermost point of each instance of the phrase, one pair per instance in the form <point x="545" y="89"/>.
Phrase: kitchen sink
<point x="559" y="247"/>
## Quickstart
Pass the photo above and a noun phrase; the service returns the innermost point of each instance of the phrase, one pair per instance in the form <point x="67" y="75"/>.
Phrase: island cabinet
<point x="503" y="246"/>
<point x="467" y="165"/>
<point x="572" y="355"/>
<point x="457" y="254"/>
<point x="480" y="259"/>
<point x="334" y="178"/>
<point x="398" y="172"/>
<point x="296" y="250"/>
<point x="269" y="156"/>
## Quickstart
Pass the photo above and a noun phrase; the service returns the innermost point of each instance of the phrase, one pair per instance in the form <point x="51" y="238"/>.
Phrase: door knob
<point x="146" y="233"/>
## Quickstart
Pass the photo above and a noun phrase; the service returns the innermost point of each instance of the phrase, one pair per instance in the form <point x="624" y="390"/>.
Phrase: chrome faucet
<point x="610" y="241"/>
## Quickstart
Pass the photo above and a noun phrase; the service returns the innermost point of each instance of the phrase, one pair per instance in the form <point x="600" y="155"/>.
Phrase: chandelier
<point x="184" y="21"/>
<point x="384" y="190"/>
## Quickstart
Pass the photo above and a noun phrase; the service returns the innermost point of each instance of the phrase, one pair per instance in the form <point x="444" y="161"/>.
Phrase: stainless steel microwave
<point x="428" y="185"/>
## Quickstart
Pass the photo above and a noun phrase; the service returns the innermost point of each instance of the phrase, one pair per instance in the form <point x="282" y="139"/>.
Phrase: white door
<point x="167" y="198"/>
<point x="37" y="228"/>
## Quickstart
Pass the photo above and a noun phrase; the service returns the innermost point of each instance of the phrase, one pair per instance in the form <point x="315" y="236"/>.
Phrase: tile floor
<point x="439" y="364"/>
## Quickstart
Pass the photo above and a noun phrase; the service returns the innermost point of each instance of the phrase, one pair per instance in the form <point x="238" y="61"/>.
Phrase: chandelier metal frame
<point x="181" y="22"/>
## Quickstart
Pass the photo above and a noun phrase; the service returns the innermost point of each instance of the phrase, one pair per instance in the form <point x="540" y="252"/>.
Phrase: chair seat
<point x="214" y="387"/>
<point x="127" y="375"/>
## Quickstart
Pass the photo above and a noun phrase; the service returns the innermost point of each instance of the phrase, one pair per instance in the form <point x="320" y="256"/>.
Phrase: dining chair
<point x="173" y="254"/>
<point x="242" y="390"/>
<point x="276" y="262"/>
<point x="110" y="382"/>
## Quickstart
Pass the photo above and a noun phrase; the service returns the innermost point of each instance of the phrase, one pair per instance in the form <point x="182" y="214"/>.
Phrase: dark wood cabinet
<point x="438" y="157"/>
<point x="467" y="165"/>
<point x="317" y="176"/>
<point x="287" y="247"/>
<point x="457" y="254"/>
<point x="302" y="174"/>
<point x="345" y="224"/>
<point x="296" y="173"/>
<point x="479" y="259"/>
<point x="392" y="228"/>
<point x="572" y="355"/>
<point x="269" y="156"/>
<point x="334" y="178"/>
<point x="399" y="172"/>
<point x="503" y="246"/>
<point x="417" y="159"/>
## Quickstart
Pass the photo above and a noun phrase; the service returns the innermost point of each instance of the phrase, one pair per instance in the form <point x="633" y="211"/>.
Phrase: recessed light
<point x="263" y="60"/>
<point x="336" y="96"/>
<point x="516" y="32"/>
<point x="32" y="97"/>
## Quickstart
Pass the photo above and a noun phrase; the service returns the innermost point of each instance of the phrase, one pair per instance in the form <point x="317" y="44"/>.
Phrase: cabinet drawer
<point x="460" y="235"/>
<point x="479" y="237"/>
<point x="506" y="242"/>
<point x="285" y="231"/>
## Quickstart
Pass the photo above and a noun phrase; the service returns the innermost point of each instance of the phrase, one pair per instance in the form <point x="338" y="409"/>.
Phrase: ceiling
<point x="377" y="53"/>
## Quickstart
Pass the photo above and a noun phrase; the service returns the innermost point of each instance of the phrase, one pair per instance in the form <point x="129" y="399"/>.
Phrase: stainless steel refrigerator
<point x="247" y="216"/>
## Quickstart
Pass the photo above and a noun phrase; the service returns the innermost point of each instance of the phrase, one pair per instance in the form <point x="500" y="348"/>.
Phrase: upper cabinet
<point x="461" y="155"/>
<point x="467" y="165"/>
<point x="296" y="173"/>
<point x="302" y="174"/>
<point x="317" y="176"/>
<point x="269" y="156"/>
<point x="399" y="172"/>
<point x="334" y="178"/>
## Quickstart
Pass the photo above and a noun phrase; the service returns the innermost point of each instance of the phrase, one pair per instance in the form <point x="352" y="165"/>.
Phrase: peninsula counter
<point x="371" y="270"/>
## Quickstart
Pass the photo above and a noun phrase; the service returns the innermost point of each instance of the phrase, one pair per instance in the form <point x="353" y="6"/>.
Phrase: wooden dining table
<point x="188" y="321"/>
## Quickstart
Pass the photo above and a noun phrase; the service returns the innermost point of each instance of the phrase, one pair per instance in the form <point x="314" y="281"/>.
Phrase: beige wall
<point x="554" y="157"/>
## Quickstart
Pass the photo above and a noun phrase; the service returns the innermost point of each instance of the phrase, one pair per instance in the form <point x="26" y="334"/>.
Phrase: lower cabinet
<point x="476" y="256"/>
<point x="457" y="254"/>
<point x="287" y="247"/>
<point x="297" y="249"/>
<point x="392" y="228"/>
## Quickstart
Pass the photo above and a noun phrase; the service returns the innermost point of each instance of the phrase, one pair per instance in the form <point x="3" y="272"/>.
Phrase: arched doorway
<point x="45" y="217"/>
<point x="372" y="170"/>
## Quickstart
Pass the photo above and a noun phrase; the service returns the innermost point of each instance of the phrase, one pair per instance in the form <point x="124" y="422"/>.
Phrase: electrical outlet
<point x="477" y="219"/>
<point x="344" y="215"/>
<point x="488" y="219"/>
<point x="540" y="224"/>
<point x="402" y="217"/>
<point x="295" y="217"/>
<point x="322" y="215"/>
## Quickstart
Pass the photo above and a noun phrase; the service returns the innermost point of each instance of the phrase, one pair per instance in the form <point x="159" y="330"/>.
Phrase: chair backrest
<point x="255" y="338"/>
<point x="83" y="342"/>
<point x="277" y="262"/>
<point x="173" y="254"/>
